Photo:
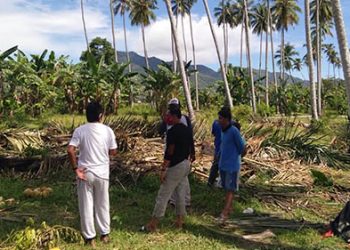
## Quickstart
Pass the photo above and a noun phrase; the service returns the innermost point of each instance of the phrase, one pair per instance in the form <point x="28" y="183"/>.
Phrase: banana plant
<point x="162" y="84"/>
<point x="4" y="55"/>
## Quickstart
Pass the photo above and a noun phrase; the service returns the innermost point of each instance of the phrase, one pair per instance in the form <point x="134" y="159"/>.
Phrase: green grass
<point x="132" y="208"/>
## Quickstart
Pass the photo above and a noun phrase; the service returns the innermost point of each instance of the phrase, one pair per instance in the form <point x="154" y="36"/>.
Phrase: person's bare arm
<point x="112" y="152"/>
<point x="166" y="162"/>
<point x="71" y="150"/>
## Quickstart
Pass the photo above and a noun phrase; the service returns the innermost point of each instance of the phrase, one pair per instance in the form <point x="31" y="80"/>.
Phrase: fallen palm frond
<point x="45" y="237"/>
<point x="20" y="139"/>
<point x="304" y="145"/>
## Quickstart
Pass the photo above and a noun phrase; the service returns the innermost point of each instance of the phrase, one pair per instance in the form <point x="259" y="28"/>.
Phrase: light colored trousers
<point x="93" y="197"/>
<point x="175" y="182"/>
<point x="187" y="195"/>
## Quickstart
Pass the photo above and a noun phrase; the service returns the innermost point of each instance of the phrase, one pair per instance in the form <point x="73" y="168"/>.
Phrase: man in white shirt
<point x="96" y="143"/>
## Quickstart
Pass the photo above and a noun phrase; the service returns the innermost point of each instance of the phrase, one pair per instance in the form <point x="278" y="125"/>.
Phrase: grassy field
<point x="130" y="209"/>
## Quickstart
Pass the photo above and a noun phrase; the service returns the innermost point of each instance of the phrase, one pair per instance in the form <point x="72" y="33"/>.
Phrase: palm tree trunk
<point x="173" y="52"/>
<point x="272" y="46"/>
<point x="225" y="45"/>
<point x="224" y="35"/>
<point x="310" y="61"/>
<point x="113" y="33"/>
<point x="223" y="71"/>
<point x="343" y="46"/>
<point x="184" y="38"/>
<point x="282" y="55"/>
<point x="266" y="68"/>
<point x="241" y="54"/>
<point x="260" y="57"/>
<point x="126" y="45"/>
<point x="144" y="45"/>
<point x="246" y="24"/>
<point x="194" y="63"/>
<point x="179" y="56"/>
<point x="319" y="58"/>
<point x="84" y="24"/>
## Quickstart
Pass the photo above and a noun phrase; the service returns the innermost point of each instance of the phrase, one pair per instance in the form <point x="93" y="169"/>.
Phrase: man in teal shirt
<point x="231" y="150"/>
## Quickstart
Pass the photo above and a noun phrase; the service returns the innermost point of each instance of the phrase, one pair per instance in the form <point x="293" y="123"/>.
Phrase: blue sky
<point x="35" y="25"/>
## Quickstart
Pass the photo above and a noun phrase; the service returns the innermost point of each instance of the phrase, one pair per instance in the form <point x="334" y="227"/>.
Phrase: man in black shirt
<point x="174" y="172"/>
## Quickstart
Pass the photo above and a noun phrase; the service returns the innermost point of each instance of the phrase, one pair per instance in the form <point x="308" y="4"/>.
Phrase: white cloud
<point x="35" y="26"/>
<point x="159" y="42"/>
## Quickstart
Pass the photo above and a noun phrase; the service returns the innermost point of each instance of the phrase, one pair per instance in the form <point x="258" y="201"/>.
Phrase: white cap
<point x="174" y="101"/>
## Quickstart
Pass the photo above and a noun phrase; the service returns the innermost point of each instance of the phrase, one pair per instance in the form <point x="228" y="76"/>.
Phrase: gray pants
<point x="187" y="195"/>
<point x="175" y="180"/>
<point x="93" y="200"/>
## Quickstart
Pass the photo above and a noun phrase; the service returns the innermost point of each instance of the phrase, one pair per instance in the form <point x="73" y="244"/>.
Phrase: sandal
<point x="222" y="219"/>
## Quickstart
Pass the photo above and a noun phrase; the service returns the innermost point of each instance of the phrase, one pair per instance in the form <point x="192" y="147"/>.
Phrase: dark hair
<point x="174" y="106"/>
<point x="93" y="111"/>
<point x="225" y="112"/>
<point x="175" y="111"/>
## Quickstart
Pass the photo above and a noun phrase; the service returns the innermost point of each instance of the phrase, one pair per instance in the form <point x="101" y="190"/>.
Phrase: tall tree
<point x="121" y="7"/>
<point x="259" y="22"/>
<point x="271" y="29"/>
<point x="141" y="13"/>
<point x="222" y="68"/>
<point x="321" y="17"/>
<point x="191" y="3"/>
<point x="181" y="8"/>
<point x="290" y="54"/>
<point x="310" y="61"/>
<point x="250" y="68"/>
<point x="224" y="16"/>
<point x="298" y="66"/>
<point x="113" y="32"/>
<point x="286" y="14"/>
<point x="84" y="24"/>
<point x="332" y="56"/>
<point x="238" y="13"/>
<point x="343" y="45"/>
<point x="181" y="64"/>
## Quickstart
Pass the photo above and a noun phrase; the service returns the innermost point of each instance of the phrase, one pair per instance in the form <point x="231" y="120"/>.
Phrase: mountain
<point x="207" y="75"/>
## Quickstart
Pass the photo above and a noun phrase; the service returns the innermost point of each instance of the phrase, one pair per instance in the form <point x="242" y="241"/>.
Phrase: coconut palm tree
<point x="286" y="14"/>
<point x="260" y="26"/>
<point x="298" y="66"/>
<point x="343" y="45"/>
<point x="321" y="17"/>
<point x="121" y="7"/>
<point x="191" y="3"/>
<point x="179" y="56"/>
<point x="141" y="13"/>
<point x="289" y="54"/>
<point x="238" y="13"/>
<point x="224" y="16"/>
<point x="181" y="8"/>
<point x="310" y="62"/>
<point x="223" y="71"/>
<point x="113" y="32"/>
<point x="271" y="29"/>
<point x="247" y="35"/>
<point x="84" y="24"/>
<point x="329" y="50"/>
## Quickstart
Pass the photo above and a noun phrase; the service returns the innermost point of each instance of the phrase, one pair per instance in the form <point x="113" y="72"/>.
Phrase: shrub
<point x="242" y="112"/>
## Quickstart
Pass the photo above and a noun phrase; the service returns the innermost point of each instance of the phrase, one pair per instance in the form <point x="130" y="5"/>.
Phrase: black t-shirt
<point x="181" y="137"/>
